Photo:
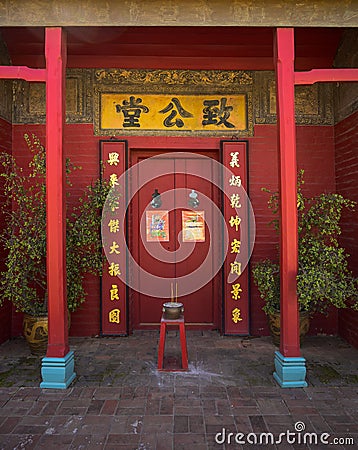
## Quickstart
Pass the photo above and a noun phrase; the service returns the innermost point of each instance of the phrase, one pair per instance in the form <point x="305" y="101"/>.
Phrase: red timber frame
<point x="56" y="54"/>
<point x="286" y="78"/>
<point x="54" y="77"/>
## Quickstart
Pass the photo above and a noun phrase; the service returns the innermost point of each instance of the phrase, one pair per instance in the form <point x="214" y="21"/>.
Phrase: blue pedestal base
<point x="58" y="373"/>
<point x="290" y="372"/>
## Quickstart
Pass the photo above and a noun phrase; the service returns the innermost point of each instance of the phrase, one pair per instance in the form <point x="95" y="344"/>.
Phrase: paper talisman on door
<point x="157" y="226"/>
<point x="193" y="226"/>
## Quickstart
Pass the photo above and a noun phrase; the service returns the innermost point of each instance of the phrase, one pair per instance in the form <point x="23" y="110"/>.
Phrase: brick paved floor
<point x="120" y="401"/>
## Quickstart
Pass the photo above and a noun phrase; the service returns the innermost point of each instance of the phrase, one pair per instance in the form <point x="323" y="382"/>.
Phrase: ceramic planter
<point x="274" y="321"/>
<point x="35" y="329"/>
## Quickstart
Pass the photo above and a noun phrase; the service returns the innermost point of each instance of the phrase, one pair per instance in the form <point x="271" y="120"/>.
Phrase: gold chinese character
<point x="114" y="292"/>
<point x="234" y="159"/>
<point x="235" y="201"/>
<point x="236" y="289"/>
<point x="235" y="246"/>
<point x="113" y="225"/>
<point x="235" y="222"/>
<point x="114" y="248"/>
<point x="114" y="270"/>
<point x="114" y="316"/>
<point x="235" y="180"/>
<point x="113" y="204"/>
<point x="235" y="268"/>
<point x="113" y="159"/>
<point x="236" y="315"/>
<point x="113" y="178"/>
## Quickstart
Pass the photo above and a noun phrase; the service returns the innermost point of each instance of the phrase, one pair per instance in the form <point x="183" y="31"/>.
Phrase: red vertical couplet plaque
<point x="113" y="295"/>
<point x="235" y="279"/>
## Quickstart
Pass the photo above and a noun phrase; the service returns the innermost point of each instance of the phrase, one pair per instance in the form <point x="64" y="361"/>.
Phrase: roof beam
<point x="23" y="73"/>
<point x="328" y="75"/>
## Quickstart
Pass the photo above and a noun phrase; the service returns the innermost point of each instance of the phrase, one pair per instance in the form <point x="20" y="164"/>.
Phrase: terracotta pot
<point x="274" y="321"/>
<point x="172" y="310"/>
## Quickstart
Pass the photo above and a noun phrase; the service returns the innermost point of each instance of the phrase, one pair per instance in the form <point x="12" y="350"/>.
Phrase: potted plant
<point x="323" y="277"/>
<point x="24" y="281"/>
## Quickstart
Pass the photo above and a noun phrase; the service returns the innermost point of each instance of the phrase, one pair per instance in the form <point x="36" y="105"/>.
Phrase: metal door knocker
<point x="156" y="199"/>
<point x="193" y="201"/>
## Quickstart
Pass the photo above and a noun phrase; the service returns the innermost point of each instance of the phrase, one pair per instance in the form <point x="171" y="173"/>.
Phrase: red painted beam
<point x="23" y="73"/>
<point x="315" y="75"/>
<point x="55" y="51"/>
<point x="284" y="62"/>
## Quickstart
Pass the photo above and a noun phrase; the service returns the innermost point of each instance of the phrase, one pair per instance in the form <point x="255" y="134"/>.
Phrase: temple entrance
<point x="175" y="237"/>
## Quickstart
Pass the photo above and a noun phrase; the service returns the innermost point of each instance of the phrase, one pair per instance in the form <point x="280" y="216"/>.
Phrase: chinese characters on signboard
<point x="235" y="211"/>
<point x="113" y="288"/>
<point x="169" y="112"/>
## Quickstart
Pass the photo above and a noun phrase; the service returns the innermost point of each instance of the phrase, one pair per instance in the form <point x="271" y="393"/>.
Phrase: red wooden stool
<point x="163" y="332"/>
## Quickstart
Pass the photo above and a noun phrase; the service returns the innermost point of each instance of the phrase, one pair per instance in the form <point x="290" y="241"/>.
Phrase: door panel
<point x="157" y="257"/>
<point x="200" y="305"/>
<point x="173" y="262"/>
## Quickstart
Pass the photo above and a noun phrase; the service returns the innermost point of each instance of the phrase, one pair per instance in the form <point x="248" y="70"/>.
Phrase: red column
<point x="284" y="62"/>
<point x="55" y="50"/>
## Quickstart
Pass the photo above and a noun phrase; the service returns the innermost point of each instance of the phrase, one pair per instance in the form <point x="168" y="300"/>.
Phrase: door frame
<point x="200" y="145"/>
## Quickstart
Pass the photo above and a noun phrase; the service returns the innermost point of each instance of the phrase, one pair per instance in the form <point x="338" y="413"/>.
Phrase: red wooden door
<point x="179" y="264"/>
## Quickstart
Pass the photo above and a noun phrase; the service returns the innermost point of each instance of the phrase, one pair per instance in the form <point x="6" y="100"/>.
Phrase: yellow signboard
<point x="134" y="112"/>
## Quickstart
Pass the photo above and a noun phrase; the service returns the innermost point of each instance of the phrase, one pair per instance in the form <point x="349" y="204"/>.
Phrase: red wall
<point x="346" y="144"/>
<point x="82" y="147"/>
<point x="5" y="310"/>
<point x="315" y="148"/>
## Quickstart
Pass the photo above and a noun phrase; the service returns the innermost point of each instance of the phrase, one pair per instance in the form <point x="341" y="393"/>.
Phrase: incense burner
<point x="172" y="310"/>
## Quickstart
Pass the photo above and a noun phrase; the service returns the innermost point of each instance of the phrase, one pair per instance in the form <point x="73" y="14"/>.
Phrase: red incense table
<point x="163" y="332"/>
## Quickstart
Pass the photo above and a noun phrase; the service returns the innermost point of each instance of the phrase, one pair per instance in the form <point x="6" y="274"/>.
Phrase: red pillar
<point x="55" y="50"/>
<point x="284" y="62"/>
